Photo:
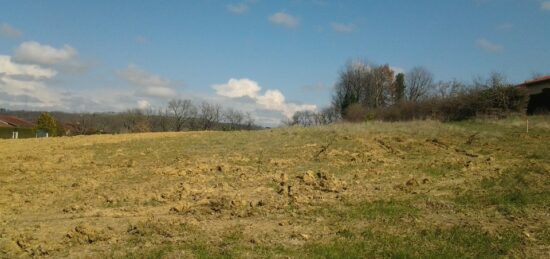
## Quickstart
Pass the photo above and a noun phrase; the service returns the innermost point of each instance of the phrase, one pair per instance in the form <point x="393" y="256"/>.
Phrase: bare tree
<point x="327" y="116"/>
<point x="381" y="85"/>
<point x="160" y="119"/>
<point x="234" y="118"/>
<point x="135" y="121"/>
<point x="448" y="89"/>
<point x="352" y="82"/>
<point x="209" y="115"/>
<point x="369" y="85"/>
<point x="304" y="118"/>
<point x="182" y="111"/>
<point x="249" y="121"/>
<point x="418" y="82"/>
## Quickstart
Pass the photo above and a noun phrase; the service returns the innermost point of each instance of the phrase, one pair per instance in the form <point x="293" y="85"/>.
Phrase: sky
<point x="269" y="58"/>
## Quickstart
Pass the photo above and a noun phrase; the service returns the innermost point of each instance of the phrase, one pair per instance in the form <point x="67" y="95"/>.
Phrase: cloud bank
<point x="32" y="52"/>
<point x="271" y="100"/>
<point x="148" y="84"/>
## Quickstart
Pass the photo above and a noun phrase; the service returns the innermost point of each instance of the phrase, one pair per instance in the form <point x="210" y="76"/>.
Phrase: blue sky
<point x="113" y="55"/>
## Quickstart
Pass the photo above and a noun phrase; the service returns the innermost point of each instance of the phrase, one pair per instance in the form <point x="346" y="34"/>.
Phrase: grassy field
<point x="414" y="189"/>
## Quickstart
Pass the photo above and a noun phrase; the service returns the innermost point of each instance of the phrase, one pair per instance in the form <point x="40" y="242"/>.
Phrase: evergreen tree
<point x="399" y="87"/>
<point x="47" y="123"/>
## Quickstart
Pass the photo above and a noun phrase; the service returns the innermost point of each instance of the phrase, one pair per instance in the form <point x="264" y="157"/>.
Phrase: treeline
<point x="374" y="92"/>
<point x="177" y="115"/>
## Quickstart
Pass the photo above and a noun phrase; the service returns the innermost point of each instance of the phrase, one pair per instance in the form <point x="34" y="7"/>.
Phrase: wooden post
<point x="527" y="129"/>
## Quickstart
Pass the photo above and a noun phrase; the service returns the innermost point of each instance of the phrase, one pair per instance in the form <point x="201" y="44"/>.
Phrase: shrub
<point x="355" y="113"/>
<point x="497" y="101"/>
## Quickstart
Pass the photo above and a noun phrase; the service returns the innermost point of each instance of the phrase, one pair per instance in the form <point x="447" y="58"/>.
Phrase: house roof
<point x="5" y="125"/>
<point x="12" y="121"/>
<point x="536" y="81"/>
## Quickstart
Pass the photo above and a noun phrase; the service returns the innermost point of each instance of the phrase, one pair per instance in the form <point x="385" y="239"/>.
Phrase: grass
<point x="455" y="242"/>
<point x="406" y="189"/>
<point x="515" y="188"/>
<point x="381" y="210"/>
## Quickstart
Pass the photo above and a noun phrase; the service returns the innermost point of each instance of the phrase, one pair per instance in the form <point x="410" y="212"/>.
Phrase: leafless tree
<point x="304" y="118"/>
<point x="209" y="115"/>
<point x="159" y="119"/>
<point x="418" y="82"/>
<point x="327" y="116"/>
<point x="381" y="84"/>
<point x="366" y="84"/>
<point x="447" y="89"/>
<point x="164" y="122"/>
<point x="351" y="85"/>
<point x="234" y="118"/>
<point x="135" y="121"/>
<point x="249" y="121"/>
<point x="182" y="111"/>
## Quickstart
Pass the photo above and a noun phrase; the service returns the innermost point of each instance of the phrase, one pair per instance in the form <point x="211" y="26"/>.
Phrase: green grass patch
<point x="512" y="191"/>
<point x="455" y="242"/>
<point x="381" y="210"/>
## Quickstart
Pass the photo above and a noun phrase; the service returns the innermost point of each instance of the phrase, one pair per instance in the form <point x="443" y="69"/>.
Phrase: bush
<point x="496" y="101"/>
<point x="356" y="113"/>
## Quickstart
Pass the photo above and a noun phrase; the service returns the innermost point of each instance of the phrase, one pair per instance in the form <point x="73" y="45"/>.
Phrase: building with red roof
<point x="14" y="122"/>
<point x="10" y="126"/>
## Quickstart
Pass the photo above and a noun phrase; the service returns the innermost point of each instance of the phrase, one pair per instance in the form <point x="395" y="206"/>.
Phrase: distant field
<point x="6" y="133"/>
<point x="414" y="189"/>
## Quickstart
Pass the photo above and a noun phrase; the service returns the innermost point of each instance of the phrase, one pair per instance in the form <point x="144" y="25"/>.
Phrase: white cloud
<point x="33" y="86"/>
<point x="8" y="31"/>
<point x="545" y="5"/>
<point x="238" y="88"/>
<point x="37" y="93"/>
<point x="238" y="9"/>
<point x="342" y="27"/>
<point x="9" y="68"/>
<point x="25" y="85"/>
<point x="284" y="19"/>
<point x="32" y="52"/>
<point x="486" y="45"/>
<point x="148" y="84"/>
<point x="272" y="100"/>
<point x="143" y="104"/>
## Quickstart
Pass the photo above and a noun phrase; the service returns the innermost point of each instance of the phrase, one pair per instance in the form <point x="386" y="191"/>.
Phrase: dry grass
<point x="470" y="189"/>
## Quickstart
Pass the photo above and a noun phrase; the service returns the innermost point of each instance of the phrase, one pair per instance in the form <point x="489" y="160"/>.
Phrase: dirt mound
<point x="323" y="181"/>
<point x="85" y="233"/>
